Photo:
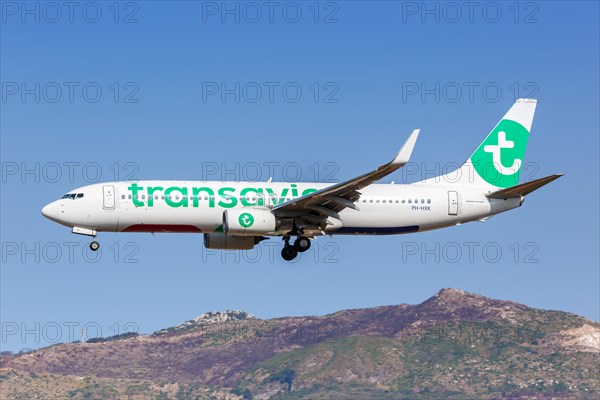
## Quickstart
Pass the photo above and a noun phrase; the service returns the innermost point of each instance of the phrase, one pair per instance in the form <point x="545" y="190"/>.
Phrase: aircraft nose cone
<point x="49" y="211"/>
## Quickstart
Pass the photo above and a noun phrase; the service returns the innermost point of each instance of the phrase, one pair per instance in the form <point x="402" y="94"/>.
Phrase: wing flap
<point x="331" y="197"/>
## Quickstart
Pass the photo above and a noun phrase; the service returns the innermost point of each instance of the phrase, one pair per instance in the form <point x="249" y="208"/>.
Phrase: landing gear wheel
<point x="288" y="253"/>
<point x="94" y="246"/>
<point x="302" y="244"/>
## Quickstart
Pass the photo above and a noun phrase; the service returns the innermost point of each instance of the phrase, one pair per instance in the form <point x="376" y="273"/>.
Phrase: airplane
<point x="239" y="215"/>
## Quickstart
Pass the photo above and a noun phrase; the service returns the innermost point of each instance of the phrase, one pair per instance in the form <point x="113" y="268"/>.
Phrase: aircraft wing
<point x="329" y="201"/>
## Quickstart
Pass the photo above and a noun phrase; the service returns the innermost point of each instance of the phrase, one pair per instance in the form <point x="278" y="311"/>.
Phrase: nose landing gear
<point x="94" y="246"/>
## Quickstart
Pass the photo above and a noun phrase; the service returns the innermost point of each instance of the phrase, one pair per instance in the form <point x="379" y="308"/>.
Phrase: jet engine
<point x="249" y="221"/>
<point x="222" y="241"/>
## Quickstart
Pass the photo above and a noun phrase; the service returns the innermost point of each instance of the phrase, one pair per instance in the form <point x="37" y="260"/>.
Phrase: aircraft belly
<point x="155" y="219"/>
<point x="379" y="221"/>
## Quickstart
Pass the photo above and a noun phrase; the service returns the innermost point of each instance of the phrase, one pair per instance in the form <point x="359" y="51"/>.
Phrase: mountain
<point x="455" y="345"/>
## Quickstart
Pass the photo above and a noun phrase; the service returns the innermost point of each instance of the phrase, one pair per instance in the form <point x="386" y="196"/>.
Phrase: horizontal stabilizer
<point x="522" y="189"/>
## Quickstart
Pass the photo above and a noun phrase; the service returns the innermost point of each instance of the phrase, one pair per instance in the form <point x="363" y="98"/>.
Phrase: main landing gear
<point x="290" y="251"/>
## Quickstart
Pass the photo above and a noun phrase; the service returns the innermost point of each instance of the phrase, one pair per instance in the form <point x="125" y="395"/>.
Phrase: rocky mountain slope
<point x="453" y="345"/>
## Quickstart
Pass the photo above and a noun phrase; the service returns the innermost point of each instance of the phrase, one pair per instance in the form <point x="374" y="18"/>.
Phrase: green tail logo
<point x="498" y="160"/>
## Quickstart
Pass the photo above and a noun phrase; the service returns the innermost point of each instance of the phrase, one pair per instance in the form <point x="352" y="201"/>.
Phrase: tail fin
<point x="497" y="162"/>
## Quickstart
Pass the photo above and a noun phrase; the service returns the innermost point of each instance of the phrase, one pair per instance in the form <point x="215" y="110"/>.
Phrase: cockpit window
<point x="72" y="196"/>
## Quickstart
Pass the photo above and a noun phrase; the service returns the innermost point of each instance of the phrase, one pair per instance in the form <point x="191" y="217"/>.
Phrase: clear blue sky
<point x="358" y="68"/>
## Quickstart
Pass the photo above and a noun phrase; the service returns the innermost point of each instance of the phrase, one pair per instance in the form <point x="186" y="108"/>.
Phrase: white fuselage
<point x="238" y="215"/>
<point x="196" y="206"/>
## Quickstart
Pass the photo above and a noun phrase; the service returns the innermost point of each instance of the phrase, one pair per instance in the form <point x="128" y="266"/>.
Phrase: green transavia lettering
<point x="225" y="197"/>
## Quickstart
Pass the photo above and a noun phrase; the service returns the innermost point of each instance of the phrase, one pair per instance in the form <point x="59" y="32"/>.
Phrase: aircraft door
<point x="452" y="202"/>
<point x="108" y="194"/>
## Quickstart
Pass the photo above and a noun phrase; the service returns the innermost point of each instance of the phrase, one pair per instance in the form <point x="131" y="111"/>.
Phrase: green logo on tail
<point x="246" y="220"/>
<point x="498" y="160"/>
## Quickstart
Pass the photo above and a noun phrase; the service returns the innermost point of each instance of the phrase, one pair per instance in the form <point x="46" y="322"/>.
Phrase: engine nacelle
<point x="222" y="241"/>
<point x="249" y="221"/>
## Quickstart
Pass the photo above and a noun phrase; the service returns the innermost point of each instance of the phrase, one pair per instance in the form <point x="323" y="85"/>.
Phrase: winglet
<point x="404" y="154"/>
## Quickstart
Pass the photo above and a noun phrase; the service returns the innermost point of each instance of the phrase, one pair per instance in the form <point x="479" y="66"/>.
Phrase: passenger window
<point x="409" y="201"/>
<point x="422" y="201"/>
<point x="370" y="201"/>
<point x="129" y="197"/>
<point x="428" y="201"/>
<point x="403" y="201"/>
<point x="397" y="200"/>
<point x="123" y="197"/>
